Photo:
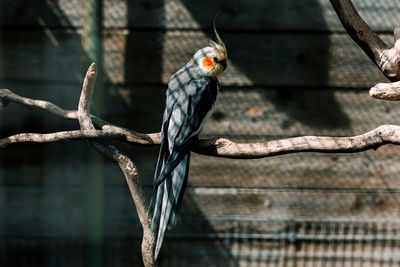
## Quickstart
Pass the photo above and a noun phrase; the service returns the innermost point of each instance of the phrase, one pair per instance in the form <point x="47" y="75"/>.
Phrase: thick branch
<point x="359" y="31"/>
<point x="386" y="91"/>
<point x="385" y="134"/>
<point x="225" y="148"/>
<point x="128" y="168"/>
<point x="386" y="58"/>
<point x="133" y="180"/>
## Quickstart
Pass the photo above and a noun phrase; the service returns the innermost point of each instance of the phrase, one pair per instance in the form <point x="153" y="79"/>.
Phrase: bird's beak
<point x="223" y="63"/>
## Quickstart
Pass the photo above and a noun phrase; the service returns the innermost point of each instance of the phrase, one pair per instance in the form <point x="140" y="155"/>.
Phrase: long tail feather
<point x="168" y="200"/>
<point x="178" y="188"/>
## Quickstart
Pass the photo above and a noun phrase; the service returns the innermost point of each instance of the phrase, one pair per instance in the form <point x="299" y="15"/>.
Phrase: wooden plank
<point x="40" y="55"/>
<point x="27" y="211"/>
<point x="314" y="15"/>
<point x="277" y="203"/>
<point x="362" y="171"/>
<point x="282" y="59"/>
<point x="58" y="212"/>
<point x="367" y="171"/>
<point x="297" y="112"/>
<point x="269" y="15"/>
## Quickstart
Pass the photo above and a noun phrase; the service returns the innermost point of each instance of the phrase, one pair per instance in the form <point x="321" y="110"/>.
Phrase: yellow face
<point x="212" y="59"/>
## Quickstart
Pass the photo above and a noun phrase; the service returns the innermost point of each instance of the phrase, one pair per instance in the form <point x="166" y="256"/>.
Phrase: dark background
<point x="292" y="71"/>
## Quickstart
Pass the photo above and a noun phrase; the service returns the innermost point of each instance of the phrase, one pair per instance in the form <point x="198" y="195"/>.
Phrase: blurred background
<point x="292" y="71"/>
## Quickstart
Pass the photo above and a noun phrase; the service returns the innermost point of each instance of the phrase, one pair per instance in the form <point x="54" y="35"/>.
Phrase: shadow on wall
<point x="279" y="44"/>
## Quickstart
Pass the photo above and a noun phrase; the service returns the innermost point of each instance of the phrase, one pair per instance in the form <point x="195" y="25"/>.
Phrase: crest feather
<point x="219" y="46"/>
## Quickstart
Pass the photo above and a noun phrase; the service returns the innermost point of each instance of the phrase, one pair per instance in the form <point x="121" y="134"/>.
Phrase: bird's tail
<point x="166" y="200"/>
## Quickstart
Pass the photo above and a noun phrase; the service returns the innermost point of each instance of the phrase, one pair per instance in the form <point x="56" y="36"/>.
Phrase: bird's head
<point x="212" y="59"/>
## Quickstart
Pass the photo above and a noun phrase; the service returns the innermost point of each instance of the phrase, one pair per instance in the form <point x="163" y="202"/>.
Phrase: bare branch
<point x="385" y="134"/>
<point x="7" y="96"/>
<point x="386" y="58"/>
<point x="221" y="147"/>
<point x="131" y="136"/>
<point x="86" y="95"/>
<point x="128" y="168"/>
<point x="390" y="59"/>
<point x="386" y="91"/>
<point x="363" y="35"/>
<point x="59" y="136"/>
<point x="225" y="148"/>
<point x="133" y="180"/>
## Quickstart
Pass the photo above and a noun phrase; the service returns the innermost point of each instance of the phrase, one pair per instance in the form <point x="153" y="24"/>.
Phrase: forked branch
<point x="386" y="58"/>
<point x="124" y="162"/>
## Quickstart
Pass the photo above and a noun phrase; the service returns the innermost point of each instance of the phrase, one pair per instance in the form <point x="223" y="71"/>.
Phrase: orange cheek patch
<point x="208" y="62"/>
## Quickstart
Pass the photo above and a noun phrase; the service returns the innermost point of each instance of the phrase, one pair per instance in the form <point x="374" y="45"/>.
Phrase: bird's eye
<point x="216" y="59"/>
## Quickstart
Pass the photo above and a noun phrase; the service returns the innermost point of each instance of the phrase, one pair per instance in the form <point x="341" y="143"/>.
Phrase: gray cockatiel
<point x="191" y="95"/>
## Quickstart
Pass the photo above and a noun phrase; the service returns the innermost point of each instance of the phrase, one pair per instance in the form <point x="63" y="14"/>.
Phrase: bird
<point x="190" y="97"/>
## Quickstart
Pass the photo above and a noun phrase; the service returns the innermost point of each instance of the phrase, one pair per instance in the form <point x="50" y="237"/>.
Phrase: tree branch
<point x="139" y="198"/>
<point x="60" y="136"/>
<point x="385" y="134"/>
<point x="386" y="58"/>
<point x="6" y="96"/>
<point x="221" y="147"/>
<point x="225" y="148"/>
<point x="86" y="95"/>
<point x="124" y="162"/>
<point x="386" y="91"/>
<point x="359" y="31"/>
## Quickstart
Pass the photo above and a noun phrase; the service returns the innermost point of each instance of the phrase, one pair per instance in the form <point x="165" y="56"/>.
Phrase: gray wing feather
<point x="186" y="110"/>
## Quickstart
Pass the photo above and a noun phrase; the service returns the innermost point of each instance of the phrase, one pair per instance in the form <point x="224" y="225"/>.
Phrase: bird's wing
<point x="186" y="110"/>
<point x="188" y="115"/>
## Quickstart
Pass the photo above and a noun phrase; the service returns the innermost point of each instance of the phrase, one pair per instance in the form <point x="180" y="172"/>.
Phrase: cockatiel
<point x="190" y="97"/>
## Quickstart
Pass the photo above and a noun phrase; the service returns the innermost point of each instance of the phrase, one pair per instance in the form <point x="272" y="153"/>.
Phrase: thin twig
<point x="8" y="96"/>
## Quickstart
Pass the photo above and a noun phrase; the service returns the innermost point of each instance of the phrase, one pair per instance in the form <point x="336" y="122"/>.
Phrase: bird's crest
<point x="219" y="45"/>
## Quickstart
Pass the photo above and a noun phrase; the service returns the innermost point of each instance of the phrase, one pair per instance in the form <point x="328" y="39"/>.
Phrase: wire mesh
<point x="144" y="44"/>
<point x="244" y="241"/>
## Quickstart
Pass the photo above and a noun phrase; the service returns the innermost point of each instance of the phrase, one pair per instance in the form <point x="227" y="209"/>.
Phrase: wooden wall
<point x="292" y="60"/>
